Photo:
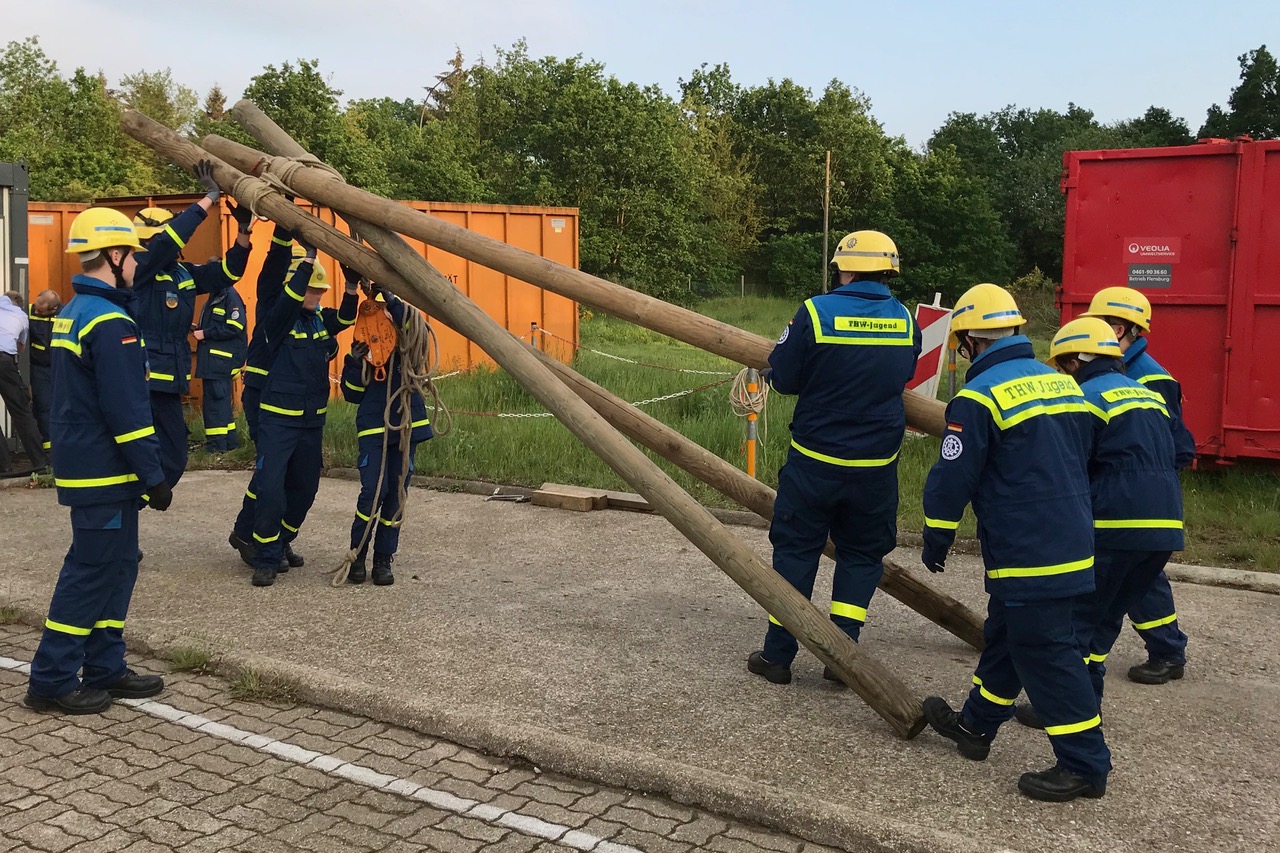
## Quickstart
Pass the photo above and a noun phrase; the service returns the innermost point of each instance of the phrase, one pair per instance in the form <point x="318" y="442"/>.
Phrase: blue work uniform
<point x="1137" y="502"/>
<point x="270" y="285"/>
<point x="40" y="331"/>
<point x="220" y="355"/>
<point x="848" y="355"/>
<point x="1016" y="446"/>
<point x="166" y="291"/>
<point x="1155" y="617"/>
<point x="361" y="387"/>
<point x="105" y="454"/>
<point x="291" y="416"/>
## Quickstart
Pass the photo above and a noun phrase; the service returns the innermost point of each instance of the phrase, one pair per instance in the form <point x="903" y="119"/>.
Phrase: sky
<point x="917" y="61"/>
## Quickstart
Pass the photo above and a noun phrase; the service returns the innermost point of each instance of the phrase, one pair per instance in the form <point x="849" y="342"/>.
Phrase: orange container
<point x="551" y="232"/>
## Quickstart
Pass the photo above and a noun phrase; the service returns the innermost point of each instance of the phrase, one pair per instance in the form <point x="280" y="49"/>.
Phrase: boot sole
<point x="1141" y="678"/>
<point x="242" y="547"/>
<point x="257" y="582"/>
<point x="135" y="694"/>
<point x="39" y="703"/>
<point x="383" y="581"/>
<point x="968" y="750"/>
<point x="768" y="675"/>
<point x="1041" y="794"/>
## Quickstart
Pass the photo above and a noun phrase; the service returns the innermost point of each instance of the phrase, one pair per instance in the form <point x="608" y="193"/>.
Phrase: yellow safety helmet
<point x="986" y="306"/>
<point x="866" y="251"/>
<point x="1123" y="303"/>
<point x="319" y="278"/>
<point x="1088" y="335"/>
<point x="150" y="221"/>
<point x="100" y="228"/>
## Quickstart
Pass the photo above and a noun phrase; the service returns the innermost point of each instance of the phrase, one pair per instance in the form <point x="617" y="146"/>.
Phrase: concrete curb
<point x="811" y="818"/>
<point x="1265" y="582"/>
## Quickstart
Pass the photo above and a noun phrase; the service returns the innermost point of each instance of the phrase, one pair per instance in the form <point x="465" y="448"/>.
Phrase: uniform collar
<point x="1005" y="349"/>
<point x="864" y="288"/>
<point x="89" y="285"/>
<point x="1135" y="349"/>
<point x="1099" y="366"/>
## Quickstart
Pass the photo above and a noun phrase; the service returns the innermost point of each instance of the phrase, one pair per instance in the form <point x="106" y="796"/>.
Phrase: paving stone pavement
<point x="198" y="769"/>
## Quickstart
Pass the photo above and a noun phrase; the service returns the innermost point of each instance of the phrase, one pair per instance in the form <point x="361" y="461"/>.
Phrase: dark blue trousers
<point x="171" y="429"/>
<point x="1124" y="578"/>
<point x="285" y="483"/>
<point x="220" y="433"/>
<point x="1156" y="620"/>
<point x="386" y="536"/>
<point x="1033" y="646"/>
<point x="85" y="626"/>
<point x="858" y="509"/>
<point x="250" y="398"/>
<point x="41" y="398"/>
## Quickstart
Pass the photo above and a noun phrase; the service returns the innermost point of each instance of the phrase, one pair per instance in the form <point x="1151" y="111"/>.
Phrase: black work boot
<point x="140" y="555"/>
<point x="264" y="577"/>
<point x="1059" y="785"/>
<point x="772" y="672"/>
<point x="134" y="686"/>
<point x="950" y="724"/>
<point x="1025" y="714"/>
<point x="246" y="549"/>
<point x="382" y="569"/>
<point x="357" y="573"/>
<point x="829" y="674"/>
<point x="292" y="558"/>
<point x="1156" y="672"/>
<point x="82" y="701"/>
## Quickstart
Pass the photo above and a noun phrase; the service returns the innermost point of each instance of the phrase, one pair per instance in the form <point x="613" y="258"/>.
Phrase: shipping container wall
<point x="1195" y="229"/>
<point x="516" y="305"/>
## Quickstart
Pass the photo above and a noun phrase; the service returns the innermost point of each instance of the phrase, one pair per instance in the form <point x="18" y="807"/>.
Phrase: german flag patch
<point x="955" y="427"/>
<point x="129" y="339"/>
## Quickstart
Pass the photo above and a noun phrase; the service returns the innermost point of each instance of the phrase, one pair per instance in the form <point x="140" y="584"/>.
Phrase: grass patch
<point x="1233" y="515"/>
<point x="193" y="658"/>
<point x="9" y="615"/>
<point x="251" y="685"/>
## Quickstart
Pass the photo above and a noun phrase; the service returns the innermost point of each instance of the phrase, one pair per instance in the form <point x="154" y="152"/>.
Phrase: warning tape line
<point x="638" y="403"/>
<point x="577" y="346"/>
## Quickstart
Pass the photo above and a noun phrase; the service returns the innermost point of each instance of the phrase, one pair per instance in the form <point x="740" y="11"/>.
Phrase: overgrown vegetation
<point x="251" y="685"/>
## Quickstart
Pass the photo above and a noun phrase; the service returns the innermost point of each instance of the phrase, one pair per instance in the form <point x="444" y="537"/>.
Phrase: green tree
<point x="1254" y="105"/>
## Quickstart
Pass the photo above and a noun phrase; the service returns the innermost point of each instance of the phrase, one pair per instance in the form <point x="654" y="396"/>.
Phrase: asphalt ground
<point x="603" y="646"/>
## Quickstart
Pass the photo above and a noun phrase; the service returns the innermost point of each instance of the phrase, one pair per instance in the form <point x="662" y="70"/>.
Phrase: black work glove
<point x="160" y="496"/>
<point x="350" y="275"/>
<point x="359" y="350"/>
<point x="204" y="174"/>
<point x="766" y="375"/>
<point x="243" y="217"/>
<point x="936" y="544"/>
<point x="308" y="248"/>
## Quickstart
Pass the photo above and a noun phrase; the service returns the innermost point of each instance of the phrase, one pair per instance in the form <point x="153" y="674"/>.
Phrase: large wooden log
<point x="756" y="496"/>
<point x="923" y="413"/>
<point x="435" y="294"/>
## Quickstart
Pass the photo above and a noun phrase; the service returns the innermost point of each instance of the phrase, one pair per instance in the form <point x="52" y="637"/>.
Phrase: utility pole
<point x="826" y="226"/>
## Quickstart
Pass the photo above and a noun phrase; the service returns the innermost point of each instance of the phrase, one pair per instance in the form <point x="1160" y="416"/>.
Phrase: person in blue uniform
<point x="40" y="313"/>
<point x="847" y="355"/>
<point x="105" y="464"/>
<point x="166" y="291"/>
<point x="221" y="342"/>
<point x="1016" y="445"/>
<point x="291" y="414"/>
<point x="1155" y="617"/>
<point x="1137" y="499"/>
<point x="376" y="425"/>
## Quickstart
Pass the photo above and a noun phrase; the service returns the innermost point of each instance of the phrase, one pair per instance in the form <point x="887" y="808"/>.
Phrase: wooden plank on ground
<point x="628" y="500"/>
<point x="576" y="498"/>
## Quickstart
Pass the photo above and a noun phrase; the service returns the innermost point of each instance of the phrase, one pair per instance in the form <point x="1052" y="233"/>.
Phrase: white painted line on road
<point x="367" y="776"/>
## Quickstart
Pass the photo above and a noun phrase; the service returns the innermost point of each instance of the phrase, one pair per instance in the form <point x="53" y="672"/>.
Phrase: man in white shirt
<point x="14" y="391"/>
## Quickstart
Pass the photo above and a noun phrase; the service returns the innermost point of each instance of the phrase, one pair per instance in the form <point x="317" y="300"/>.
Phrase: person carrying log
<point x="386" y="383"/>
<point x="1017" y="446"/>
<point x="848" y="355"/>
<point x="221" y="341"/>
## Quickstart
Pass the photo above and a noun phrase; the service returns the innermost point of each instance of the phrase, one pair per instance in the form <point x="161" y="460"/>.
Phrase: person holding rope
<point x="384" y="385"/>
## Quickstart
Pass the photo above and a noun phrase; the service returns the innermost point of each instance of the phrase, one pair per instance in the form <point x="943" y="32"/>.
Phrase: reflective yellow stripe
<point x="67" y="629"/>
<point x="773" y="621"/>
<point x="46" y="445"/>
<point x="295" y="333"/>
<point x="1041" y="571"/>
<point x="1004" y="423"/>
<point x="162" y="277"/>
<point x="35" y="345"/>
<point x="941" y="525"/>
<point x="186" y="284"/>
<point x="1095" y="658"/>
<point x="1156" y="623"/>
<point x="287" y="527"/>
<point x="844" y="463"/>
<point x="236" y="323"/>
<point x="850" y="611"/>
<point x="227" y="272"/>
<point x="168" y="229"/>
<point x="1139" y="523"/>
<point x="137" y="433"/>
<point x="344" y="321"/>
<point x="249" y="368"/>
<point x="219" y="310"/>
<point x="279" y="411"/>
<point x="375" y="431"/>
<point x="295" y="296"/>
<point x="109" y="623"/>
<point x="902" y="329"/>
<point x="65" y="344"/>
<point x="280" y="242"/>
<point x="220" y="352"/>
<point x="268" y="539"/>
<point x="216" y="431"/>
<point x="360" y="515"/>
<point x="1073" y="728"/>
<point x="988" y="695"/>
<point x="353" y="387"/>
<point x="322" y="410"/>
<point x="1154" y="377"/>
<point x="102" y="318"/>
<point x="250" y="495"/>
<point x="164" y="377"/>
<point x="423" y="422"/>
<point x="91" y="482"/>
<point x="386" y="523"/>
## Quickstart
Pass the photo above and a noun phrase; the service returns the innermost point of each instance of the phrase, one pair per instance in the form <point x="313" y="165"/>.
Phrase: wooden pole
<point x="415" y="280"/>
<point x="751" y="350"/>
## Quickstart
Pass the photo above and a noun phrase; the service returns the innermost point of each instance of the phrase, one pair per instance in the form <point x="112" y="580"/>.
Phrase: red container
<point x="1197" y="230"/>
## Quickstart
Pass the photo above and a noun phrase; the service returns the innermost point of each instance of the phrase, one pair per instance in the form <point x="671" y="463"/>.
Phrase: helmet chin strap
<point x="117" y="269"/>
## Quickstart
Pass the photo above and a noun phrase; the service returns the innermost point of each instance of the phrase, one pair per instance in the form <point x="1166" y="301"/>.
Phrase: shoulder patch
<point x="952" y="447"/>
<point x="235" y="313"/>
<point x="785" y="332"/>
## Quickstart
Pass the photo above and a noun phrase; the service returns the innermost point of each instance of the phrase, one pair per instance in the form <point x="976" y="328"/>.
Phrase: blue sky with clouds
<point x="917" y="61"/>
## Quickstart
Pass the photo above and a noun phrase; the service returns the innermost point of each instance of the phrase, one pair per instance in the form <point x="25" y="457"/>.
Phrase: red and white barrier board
<point x="935" y="325"/>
